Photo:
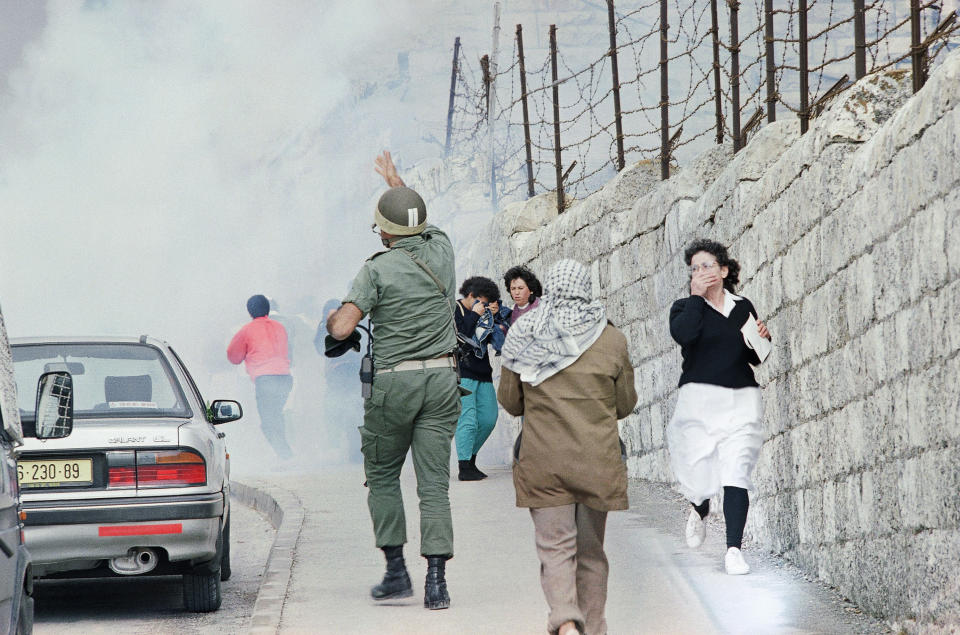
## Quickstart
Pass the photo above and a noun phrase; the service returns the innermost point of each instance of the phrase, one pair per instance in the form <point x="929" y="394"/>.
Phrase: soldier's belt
<point x="420" y="364"/>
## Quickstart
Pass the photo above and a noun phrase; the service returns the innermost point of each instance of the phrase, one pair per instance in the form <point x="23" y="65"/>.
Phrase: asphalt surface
<point x="657" y="584"/>
<point x="155" y="605"/>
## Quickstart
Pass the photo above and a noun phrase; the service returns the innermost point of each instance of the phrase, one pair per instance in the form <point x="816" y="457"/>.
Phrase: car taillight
<point x="171" y="468"/>
<point x="155" y="468"/>
<point x="122" y="477"/>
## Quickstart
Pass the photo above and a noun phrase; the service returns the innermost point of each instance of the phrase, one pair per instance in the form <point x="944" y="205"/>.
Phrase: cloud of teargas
<point x="164" y="161"/>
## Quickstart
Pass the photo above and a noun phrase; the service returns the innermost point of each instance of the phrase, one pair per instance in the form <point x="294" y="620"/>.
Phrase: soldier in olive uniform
<point x="408" y="293"/>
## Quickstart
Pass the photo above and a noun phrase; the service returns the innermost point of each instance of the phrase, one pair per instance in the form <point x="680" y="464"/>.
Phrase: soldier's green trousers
<point x="416" y="410"/>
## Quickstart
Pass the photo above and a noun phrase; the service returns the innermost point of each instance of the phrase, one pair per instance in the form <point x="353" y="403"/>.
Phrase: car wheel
<point x="201" y="592"/>
<point x="25" y="614"/>
<point x="225" y="553"/>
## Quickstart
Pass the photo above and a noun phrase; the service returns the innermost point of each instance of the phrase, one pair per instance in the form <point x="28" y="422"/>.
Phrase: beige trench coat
<point x="569" y="449"/>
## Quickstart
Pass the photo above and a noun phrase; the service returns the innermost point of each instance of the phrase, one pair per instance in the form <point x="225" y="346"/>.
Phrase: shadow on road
<point x="120" y="598"/>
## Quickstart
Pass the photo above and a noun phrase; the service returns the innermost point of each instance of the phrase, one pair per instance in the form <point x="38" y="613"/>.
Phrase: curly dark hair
<point x="536" y="289"/>
<point x="719" y="252"/>
<point x="480" y="287"/>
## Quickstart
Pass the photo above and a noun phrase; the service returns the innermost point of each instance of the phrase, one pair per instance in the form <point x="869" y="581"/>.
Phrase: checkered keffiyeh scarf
<point x="553" y="336"/>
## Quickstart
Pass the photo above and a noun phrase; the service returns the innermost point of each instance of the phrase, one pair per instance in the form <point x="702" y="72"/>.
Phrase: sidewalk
<point x="657" y="584"/>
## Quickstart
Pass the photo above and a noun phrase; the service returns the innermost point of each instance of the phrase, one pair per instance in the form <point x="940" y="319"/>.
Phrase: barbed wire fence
<point x="722" y="67"/>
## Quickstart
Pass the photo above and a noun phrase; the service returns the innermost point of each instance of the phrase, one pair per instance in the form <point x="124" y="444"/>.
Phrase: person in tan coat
<point x="566" y="370"/>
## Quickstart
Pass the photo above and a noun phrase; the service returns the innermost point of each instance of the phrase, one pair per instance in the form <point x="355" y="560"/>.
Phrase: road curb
<point x="285" y="513"/>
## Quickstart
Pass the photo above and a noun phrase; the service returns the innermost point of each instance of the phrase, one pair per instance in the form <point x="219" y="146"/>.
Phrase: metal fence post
<point x="804" y="70"/>
<point x="664" y="96"/>
<point x="556" y="117"/>
<point x="916" y="52"/>
<point x="453" y="92"/>
<point x="492" y="105"/>
<point x="860" y="38"/>
<point x="526" y="111"/>
<point x="771" y="65"/>
<point x="616" y="84"/>
<point x="485" y="69"/>
<point x="947" y="27"/>
<point x="735" y="71"/>
<point x="718" y="99"/>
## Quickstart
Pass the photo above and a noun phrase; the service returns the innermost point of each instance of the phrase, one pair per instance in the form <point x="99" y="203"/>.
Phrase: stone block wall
<point x="849" y="241"/>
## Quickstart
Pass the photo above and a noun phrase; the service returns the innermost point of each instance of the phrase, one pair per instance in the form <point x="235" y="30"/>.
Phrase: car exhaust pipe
<point x="138" y="560"/>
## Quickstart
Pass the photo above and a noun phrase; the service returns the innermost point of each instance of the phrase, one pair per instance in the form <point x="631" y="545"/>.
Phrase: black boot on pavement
<point x="435" y="594"/>
<point x="468" y="474"/>
<point x="473" y="465"/>
<point x="396" y="581"/>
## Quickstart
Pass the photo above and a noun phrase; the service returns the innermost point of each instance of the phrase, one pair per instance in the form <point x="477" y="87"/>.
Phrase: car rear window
<point x="109" y="380"/>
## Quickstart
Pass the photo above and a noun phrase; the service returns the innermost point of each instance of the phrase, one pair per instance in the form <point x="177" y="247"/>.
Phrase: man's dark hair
<point x="480" y="287"/>
<point x="536" y="289"/>
<point x="258" y="306"/>
<point x="719" y="252"/>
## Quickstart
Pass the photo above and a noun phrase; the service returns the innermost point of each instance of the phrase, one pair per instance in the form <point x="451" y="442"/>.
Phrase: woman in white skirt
<point x="715" y="433"/>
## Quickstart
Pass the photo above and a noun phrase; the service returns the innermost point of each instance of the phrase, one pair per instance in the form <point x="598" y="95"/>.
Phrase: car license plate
<point x="55" y="472"/>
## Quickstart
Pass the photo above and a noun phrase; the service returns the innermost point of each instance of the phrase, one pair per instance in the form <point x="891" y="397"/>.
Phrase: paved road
<point x="155" y="605"/>
<point x="657" y="585"/>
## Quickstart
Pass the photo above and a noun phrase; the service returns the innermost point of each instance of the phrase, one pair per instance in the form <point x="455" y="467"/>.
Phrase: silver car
<point x="142" y="486"/>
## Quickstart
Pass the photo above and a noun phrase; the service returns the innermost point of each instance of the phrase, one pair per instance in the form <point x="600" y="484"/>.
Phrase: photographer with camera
<point x="476" y="317"/>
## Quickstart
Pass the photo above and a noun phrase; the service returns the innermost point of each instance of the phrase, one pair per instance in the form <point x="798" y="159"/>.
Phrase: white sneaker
<point x="735" y="563"/>
<point x="696" y="530"/>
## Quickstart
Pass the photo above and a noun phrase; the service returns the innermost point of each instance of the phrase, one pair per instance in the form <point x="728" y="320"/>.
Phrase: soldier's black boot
<point x="473" y="465"/>
<point x="435" y="594"/>
<point x="466" y="473"/>
<point x="396" y="581"/>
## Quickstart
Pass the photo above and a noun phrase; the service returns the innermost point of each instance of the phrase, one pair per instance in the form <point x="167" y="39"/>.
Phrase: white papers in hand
<point x="751" y="335"/>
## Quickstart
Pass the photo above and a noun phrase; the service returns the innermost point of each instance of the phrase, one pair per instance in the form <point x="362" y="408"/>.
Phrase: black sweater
<point x="471" y="366"/>
<point x="712" y="345"/>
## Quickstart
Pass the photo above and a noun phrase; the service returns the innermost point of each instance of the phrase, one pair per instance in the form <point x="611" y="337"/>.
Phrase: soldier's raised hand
<point x="386" y="169"/>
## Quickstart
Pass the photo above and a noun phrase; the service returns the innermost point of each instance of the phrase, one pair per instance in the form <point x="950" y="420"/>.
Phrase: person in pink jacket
<point x="262" y="344"/>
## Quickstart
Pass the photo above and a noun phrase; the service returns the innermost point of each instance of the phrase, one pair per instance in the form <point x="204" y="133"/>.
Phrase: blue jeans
<point x="272" y="392"/>
<point x="478" y="416"/>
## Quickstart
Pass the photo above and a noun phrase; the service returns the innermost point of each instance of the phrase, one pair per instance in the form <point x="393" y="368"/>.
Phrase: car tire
<point x="201" y="592"/>
<point x="25" y="614"/>
<point x="225" y="553"/>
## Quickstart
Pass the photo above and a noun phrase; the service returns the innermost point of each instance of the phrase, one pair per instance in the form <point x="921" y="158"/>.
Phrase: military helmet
<point x="401" y="212"/>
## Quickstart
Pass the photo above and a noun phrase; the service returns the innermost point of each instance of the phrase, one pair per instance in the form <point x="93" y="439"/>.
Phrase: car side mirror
<point x="225" y="411"/>
<point x="54" y="405"/>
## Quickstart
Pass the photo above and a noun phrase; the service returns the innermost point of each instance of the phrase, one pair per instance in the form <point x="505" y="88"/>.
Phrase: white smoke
<point x="164" y="161"/>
